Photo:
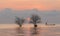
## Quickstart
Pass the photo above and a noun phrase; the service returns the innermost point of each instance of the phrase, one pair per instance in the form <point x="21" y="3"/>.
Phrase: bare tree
<point x="35" y="19"/>
<point x="19" y="21"/>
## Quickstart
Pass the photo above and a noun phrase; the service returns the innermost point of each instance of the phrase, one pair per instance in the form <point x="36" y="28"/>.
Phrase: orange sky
<point x="30" y="4"/>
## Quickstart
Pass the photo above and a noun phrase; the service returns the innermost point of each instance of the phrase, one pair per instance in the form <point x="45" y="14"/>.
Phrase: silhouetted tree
<point x="46" y="23"/>
<point x="35" y="19"/>
<point x="19" y="21"/>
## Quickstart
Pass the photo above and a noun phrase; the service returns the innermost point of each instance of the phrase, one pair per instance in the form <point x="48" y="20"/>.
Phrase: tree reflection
<point x="20" y="31"/>
<point x="34" y="31"/>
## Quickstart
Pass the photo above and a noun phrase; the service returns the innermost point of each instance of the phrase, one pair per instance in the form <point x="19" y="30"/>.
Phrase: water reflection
<point x="35" y="32"/>
<point x="25" y="32"/>
<point x="39" y="31"/>
<point x="20" y="31"/>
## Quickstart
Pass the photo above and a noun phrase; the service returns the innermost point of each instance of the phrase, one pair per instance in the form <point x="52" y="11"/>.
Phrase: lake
<point x="29" y="30"/>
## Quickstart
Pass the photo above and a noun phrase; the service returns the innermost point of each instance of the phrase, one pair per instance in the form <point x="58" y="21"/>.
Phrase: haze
<point x="7" y="15"/>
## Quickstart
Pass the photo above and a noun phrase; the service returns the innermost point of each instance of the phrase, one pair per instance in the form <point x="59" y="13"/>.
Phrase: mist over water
<point x="7" y="15"/>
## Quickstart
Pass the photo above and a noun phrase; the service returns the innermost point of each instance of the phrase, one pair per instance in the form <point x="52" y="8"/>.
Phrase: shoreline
<point x="11" y="26"/>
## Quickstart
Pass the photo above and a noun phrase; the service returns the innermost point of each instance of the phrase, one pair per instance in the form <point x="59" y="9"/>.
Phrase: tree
<point x="35" y="19"/>
<point x="19" y="21"/>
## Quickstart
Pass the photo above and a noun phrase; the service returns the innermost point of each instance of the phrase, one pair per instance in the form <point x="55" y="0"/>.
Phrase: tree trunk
<point x="20" y="25"/>
<point x="35" y="25"/>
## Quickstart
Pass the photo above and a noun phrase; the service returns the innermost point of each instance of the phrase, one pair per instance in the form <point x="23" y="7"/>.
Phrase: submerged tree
<point x="35" y="19"/>
<point x="19" y="21"/>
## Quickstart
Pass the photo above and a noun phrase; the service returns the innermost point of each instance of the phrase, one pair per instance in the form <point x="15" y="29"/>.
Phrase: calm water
<point x="31" y="31"/>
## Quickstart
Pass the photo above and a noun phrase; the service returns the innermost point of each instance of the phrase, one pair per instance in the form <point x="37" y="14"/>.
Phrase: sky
<point x="30" y="4"/>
